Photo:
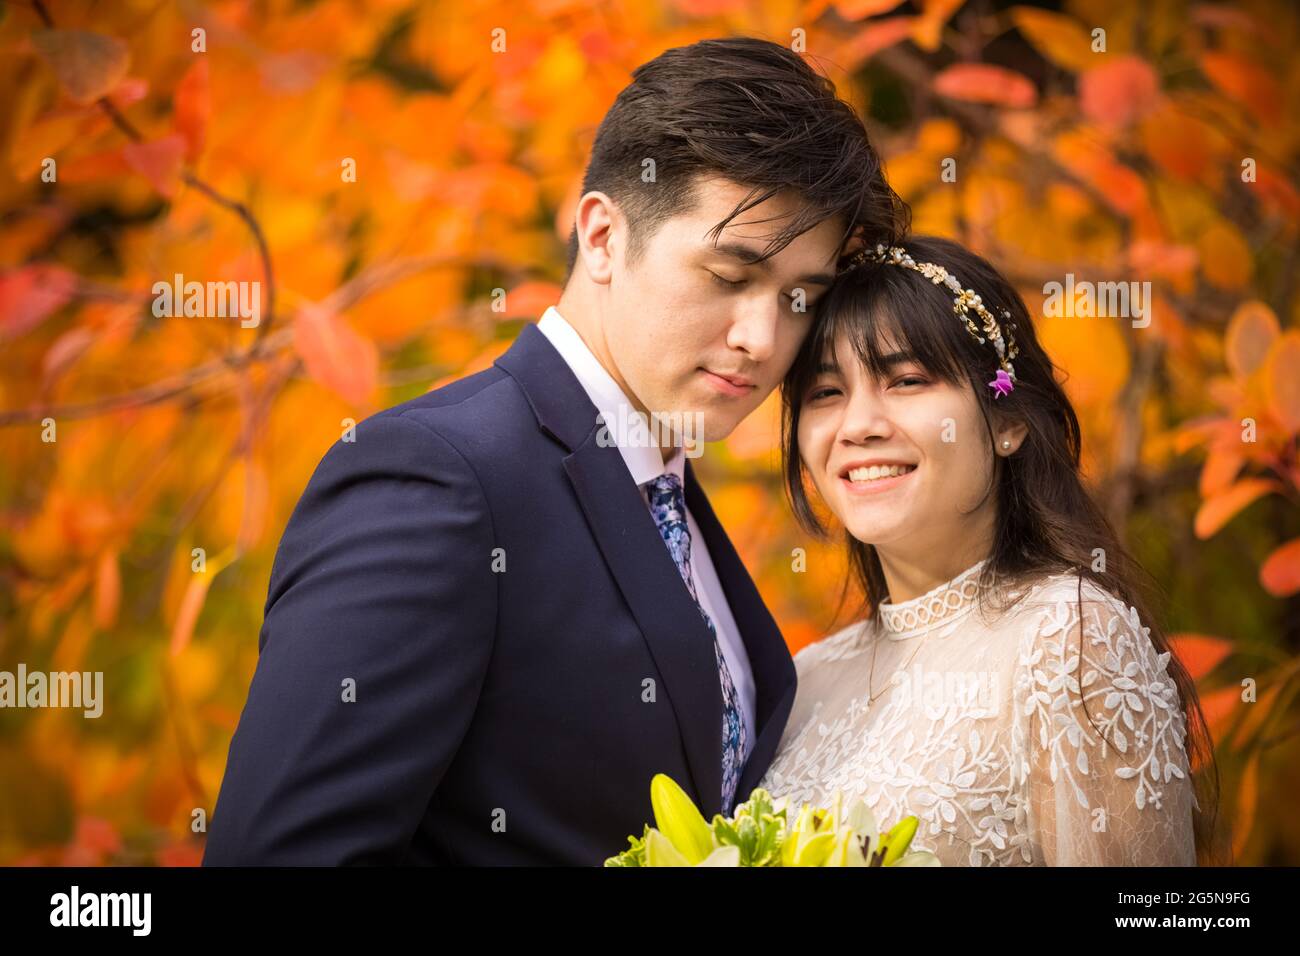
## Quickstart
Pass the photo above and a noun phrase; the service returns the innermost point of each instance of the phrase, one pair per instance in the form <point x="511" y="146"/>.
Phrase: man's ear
<point x="1009" y="435"/>
<point x="596" y="221"/>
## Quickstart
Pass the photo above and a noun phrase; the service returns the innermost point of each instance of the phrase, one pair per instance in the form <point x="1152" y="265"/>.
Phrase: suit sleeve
<point x="382" y="591"/>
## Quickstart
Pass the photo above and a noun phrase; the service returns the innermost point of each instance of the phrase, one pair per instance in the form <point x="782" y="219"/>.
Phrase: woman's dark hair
<point x="748" y="110"/>
<point x="1045" y="522"/>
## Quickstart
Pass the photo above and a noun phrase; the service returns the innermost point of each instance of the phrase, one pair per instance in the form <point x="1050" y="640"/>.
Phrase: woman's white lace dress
<point x="978" y="728"/>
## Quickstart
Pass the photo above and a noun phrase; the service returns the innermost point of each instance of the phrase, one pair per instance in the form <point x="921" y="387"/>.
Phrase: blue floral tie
<point x="668" y="506"/>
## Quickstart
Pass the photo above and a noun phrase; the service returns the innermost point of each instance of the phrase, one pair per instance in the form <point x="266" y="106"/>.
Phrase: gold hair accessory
<point x="964" y="301"/>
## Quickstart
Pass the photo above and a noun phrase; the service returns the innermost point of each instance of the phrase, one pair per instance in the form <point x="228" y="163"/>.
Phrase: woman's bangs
<point x="884" y="318"/>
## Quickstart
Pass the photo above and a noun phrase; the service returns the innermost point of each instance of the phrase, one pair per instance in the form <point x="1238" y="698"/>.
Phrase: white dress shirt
<point x="645" y="462"/>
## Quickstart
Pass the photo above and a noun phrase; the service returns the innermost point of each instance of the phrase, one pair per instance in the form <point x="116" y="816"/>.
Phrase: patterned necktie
<point x="668" y="506"/>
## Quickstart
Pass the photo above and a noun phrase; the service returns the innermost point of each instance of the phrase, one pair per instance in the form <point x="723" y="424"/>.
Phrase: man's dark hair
<point x="750" y="111"/>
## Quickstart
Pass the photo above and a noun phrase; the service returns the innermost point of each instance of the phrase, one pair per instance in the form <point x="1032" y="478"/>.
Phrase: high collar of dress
<point x="921" y="614"/>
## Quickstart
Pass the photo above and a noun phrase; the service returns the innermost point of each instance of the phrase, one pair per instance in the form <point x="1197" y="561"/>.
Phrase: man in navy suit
<point x="488" y="624"/>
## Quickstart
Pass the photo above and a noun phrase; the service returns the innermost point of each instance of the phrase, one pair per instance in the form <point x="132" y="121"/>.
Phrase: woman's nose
<point x="865" y="417"/>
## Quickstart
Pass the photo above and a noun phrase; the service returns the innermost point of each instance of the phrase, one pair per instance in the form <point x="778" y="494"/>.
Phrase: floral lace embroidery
<point x="1139" y="711"/>
<point x="967" y="772"/>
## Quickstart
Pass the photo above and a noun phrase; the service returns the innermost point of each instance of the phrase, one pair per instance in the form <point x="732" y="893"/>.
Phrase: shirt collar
<point x="644" y="461"/>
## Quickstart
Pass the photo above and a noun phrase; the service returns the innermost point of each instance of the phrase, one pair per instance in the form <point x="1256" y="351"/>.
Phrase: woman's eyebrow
<point x="897" y="358"/>
<point x="831" y="367"/>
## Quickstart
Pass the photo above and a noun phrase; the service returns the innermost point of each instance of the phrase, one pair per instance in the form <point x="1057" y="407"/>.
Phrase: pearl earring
<point x="1005" y="444"/>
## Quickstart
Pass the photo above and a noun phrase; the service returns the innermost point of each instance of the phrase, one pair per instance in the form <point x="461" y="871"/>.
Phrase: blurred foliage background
<point x="214" y="140"/>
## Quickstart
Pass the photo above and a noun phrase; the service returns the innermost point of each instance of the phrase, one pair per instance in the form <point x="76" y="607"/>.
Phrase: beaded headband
<point x="965" y="301"/>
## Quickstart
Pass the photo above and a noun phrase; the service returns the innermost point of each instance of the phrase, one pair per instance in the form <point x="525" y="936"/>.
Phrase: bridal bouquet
<point x="766" y="833"/>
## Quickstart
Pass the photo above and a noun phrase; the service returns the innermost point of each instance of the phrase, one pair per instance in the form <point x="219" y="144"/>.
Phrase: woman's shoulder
<point x="1069" y="588"/>
<point x="1069" y="612"/>
<point x="847" y="640"/>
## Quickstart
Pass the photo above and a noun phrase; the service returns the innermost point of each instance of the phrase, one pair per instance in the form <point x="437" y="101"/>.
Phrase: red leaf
<point x="1280" y="573"/>
<point x="1219" y="707"/>
<point x="982" y="83"/>
<point x="1199" y="653"/>
<point x="1120" y="91"/>
<point x="334" y="354"/>
<point x="29" y="294"/>
<point x="158" y="161"/>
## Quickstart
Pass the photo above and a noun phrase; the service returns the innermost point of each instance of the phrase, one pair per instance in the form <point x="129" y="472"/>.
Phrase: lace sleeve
<point x="1112" y="786"/>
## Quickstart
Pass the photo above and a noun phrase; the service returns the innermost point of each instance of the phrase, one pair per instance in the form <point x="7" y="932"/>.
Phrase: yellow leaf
<point x="196" y="593"/>
<point x="1283" y="384"/>
<point x="1061" y="39"/>
<point x="1226" y="260"/>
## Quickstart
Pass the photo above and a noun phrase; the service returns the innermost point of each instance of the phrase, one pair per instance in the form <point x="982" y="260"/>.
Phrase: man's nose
<point x="754" y="330"/>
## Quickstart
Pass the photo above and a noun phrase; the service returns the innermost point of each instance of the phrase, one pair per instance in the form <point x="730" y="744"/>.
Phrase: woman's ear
<point x="1008" y="437"/>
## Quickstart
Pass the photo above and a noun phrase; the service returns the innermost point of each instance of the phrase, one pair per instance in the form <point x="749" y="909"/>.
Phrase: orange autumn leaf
<point x="193" y="108"/>
<point x="529" y="300"/>
<point x="1199" y="653"/>
<point x="1256" y="716"/>
<point x="984" y="83"/>
<point x="1226" y="258"/>
<point x="88" y="65"/>
<point x="1182" y="145"/>
<point x="1221" y="468"/>
<point x="1245" y="81"/>
<point x="1280" y="573"/>
<point x="873" y="38"/>
<point x="927" y="31"/>
<point x="334" y="354"/>
<point x="1223" y="507"/>
<point x="108" y="590"/>
<point x="852" y="10"/>
<point x="1251" y="332"/>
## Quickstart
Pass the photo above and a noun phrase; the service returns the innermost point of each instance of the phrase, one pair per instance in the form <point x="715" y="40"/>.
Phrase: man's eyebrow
<point x="750" y="257"/>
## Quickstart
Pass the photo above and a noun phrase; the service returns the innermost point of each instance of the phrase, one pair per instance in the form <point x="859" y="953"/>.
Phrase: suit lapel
<point x="677" y="637"/>
<point x="769" y="657"/>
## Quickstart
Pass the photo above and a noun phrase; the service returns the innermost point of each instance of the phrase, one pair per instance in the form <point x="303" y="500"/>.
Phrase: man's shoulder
<point x="484" y="416"/>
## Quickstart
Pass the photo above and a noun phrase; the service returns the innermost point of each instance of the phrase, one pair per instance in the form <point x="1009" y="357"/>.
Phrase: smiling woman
<point x="958" y="496"/>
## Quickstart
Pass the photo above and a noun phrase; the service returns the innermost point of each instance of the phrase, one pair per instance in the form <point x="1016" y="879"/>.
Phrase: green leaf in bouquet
<point x="633" y="855"/>
<point x="756" y="830"/>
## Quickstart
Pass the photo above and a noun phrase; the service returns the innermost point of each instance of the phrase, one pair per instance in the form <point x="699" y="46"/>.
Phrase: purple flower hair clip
<point x="1002" y="384"/>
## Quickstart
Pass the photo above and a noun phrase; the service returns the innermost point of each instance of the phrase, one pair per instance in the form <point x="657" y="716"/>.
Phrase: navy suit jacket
<point x="509" y="716"/>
